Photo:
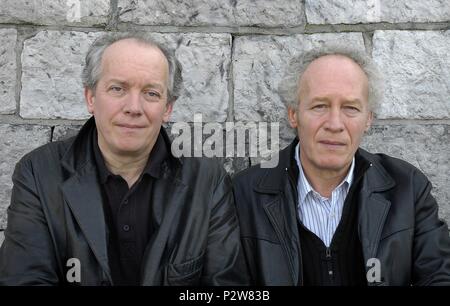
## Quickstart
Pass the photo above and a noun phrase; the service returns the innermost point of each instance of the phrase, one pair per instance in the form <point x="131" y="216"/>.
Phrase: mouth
<point x="130" y="126"/>
<point x="332" y="144"/>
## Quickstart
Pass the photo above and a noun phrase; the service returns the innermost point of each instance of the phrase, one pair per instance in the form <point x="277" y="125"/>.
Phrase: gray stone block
<point x="55" y="12"/>
<point x="7" y="71"/>
<point x="424" y="146"/>
<point x="52" y="64"/>
<point x="259" y="65"/>
<point x="205" y="61"/>
<point x="2" y="237"/>
<point x="16" y="141"/>
<point x="416" y="69"/>
<point x="264" y="13"/>
<point x="269" y="13"/>
<point x="371" y="11"/>
<point x="62" y="132"/>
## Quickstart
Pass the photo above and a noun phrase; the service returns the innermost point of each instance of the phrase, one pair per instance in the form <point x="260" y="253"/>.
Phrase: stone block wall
<point x="233" y="54"/>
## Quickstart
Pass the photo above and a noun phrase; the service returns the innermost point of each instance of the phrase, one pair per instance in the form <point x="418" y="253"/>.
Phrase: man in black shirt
<point x="128" y="213"/>
<point x="112" y="205"/>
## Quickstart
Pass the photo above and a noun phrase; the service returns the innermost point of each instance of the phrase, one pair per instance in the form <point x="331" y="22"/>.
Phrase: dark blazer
<point x="397" y="223"/>
<point x="56" y="213"/>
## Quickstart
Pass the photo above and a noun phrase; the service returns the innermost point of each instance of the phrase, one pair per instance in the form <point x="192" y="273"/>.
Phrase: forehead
<point x="334" y="69"/>
<point x="132" y="54"/>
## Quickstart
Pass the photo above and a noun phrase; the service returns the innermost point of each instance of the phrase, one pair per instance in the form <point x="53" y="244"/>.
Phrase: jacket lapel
<point x="286" y="232"/>
<point x="373" y="207"/>
<point x="83" y="195"/>
<point x="281" y="208"/>
<point x="168" y="193"/>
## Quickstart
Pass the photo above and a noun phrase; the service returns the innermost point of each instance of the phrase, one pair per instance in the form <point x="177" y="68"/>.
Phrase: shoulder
<point x="202" y="169"/>
<point x="45" y="155"/>
<point x="401" y="171"/>
<point x="250" y="176"/>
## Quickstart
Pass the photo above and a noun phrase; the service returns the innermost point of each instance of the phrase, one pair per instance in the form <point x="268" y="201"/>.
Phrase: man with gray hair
<point x="331" y="213"/>
<point x="112" y="205"/>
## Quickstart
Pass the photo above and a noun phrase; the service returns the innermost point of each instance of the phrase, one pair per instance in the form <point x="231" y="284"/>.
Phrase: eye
<point x="351" y="108"/>
<point x="319" y="106"/>
<point x="115" y="89"/>
<point x="152" y="95"/>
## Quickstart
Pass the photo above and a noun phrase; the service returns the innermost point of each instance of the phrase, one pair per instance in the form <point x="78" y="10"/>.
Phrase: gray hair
<point x="289" y="87"/>
<point x="92" y="68"/>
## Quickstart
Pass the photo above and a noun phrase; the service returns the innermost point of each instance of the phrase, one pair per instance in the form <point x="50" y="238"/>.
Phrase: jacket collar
<point x="377" y="179"/>
<point x="274" y="179"/>
<point x="82" y="190"/>
<point x="80" y="153"/>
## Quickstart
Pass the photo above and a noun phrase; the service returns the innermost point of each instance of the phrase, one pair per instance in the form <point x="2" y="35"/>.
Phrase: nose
<point x="132" y="105"/>
<point x="334" y="122"/>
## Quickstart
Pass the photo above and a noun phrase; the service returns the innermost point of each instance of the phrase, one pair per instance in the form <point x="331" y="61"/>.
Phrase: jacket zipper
<point x="329" y="265"/>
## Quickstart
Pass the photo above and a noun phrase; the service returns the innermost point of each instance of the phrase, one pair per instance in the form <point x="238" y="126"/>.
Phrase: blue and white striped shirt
<point x="318" y="214"/>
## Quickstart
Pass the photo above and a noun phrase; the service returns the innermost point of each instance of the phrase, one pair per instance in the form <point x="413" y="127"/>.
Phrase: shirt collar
<point x="152" y="168"/>
<point x="304" y="187"/>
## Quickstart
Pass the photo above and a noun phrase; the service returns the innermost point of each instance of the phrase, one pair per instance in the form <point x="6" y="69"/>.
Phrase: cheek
<point x="155" y="113"/>
<point x="309" y="128"/>
<point x="356" y="132"/>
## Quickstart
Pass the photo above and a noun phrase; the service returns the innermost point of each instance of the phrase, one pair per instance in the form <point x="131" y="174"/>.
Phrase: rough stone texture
<point x="50" y="12"/>
<point x="51" y="75"/>
<point x="7" y="71"/>
<point x="416" y="67"/>
<point x="427" y="147"/>
<point x="259" y="65"/>
<point x="16" y="141"/>
<point x="2" y="237"/>
<point x="205" y="61"/>
<point x="52" y="64"/>
<point x="265" y="13"/>
<point x="369" y="11"/>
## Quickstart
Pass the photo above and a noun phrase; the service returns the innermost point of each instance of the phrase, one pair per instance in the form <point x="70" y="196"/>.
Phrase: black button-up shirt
<point x="128" y="214"/>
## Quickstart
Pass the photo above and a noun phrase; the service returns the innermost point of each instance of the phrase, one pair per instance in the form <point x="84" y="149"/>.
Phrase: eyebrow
<point x="354" y="101"/>
<point x="325" y="99"/>
<point x="156" y="86"/>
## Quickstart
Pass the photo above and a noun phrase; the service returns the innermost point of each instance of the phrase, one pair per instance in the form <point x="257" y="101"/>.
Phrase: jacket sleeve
<point x="27" y="254"/>
<point x="224" y="264"/>
<point x="431" y="249"/>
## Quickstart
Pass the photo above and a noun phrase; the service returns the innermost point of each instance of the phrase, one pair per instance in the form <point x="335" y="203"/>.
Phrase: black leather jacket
<point x="397" y="223"/>
<point x="56" y="214"/>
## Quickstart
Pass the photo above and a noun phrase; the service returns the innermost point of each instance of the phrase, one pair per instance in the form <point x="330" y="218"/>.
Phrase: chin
<point x="333" y="165"/>
<point x="128" y="148"/>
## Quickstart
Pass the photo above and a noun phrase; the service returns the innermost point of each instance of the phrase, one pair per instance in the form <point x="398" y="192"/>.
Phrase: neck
<point x="128" y="167"/>
<point x="323" y="181"/>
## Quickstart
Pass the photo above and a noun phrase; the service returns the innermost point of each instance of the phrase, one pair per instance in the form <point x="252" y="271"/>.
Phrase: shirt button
<point x="126" y="228"/>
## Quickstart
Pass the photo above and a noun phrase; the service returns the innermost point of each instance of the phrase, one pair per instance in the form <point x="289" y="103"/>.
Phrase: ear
<point x="168" y="112"/>
<point x="369" y="122"/>
<point x="89" y="99"/>
<point x="292" y="117"/>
